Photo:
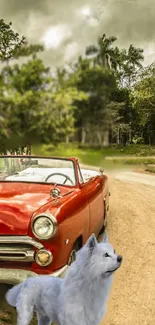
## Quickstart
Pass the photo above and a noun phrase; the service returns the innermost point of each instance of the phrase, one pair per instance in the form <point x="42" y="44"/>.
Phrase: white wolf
<point x="78" y="298"/>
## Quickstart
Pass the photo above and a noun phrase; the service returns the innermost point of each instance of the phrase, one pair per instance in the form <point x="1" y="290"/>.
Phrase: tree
<point x="143" y="97"/>
<point x="124" y="63"/>
<point x="32" y="110"/>
<point x="92" y="117"/>
<point x="103" y="54"/>
<point x="130" y="62"/>
<point x="32" y="75"/>
<point x="27" y="50"/>
<point x="10" y="41"/>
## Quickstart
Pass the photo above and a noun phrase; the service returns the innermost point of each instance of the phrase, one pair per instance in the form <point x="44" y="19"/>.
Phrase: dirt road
<point x="136" y="177"/>
<point x="131" y="229"/>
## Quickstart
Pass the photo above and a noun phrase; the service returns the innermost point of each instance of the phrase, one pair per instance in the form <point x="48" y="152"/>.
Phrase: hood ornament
<point x="101" y="170"/>
<point x="55" y="193"/>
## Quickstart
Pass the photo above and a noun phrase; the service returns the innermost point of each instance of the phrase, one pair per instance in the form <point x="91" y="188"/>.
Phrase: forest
<point x="106" y="97"/>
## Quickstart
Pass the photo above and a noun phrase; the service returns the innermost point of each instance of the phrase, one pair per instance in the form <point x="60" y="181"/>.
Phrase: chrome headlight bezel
<point x="51" y="219"/>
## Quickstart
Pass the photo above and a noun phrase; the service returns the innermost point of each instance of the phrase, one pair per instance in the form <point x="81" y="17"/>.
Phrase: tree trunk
<point x="118" y="137"/>
<point x="106" y="138"/>
<point x="130" y="136"/>
<point x="99" y="137"/>
<point x="149" y="140"/>
<point x="83" y="138"/>
<point x="67" y="139"/>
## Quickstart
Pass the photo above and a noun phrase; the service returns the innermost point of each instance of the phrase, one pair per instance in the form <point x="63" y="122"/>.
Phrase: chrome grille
<point x="18" y="248"/>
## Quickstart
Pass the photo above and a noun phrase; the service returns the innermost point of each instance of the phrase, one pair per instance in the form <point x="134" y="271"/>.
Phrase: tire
<point x="72" y="256"/>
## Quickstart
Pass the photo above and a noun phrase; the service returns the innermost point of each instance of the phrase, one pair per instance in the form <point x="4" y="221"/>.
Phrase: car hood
<point x="19" y="201"/>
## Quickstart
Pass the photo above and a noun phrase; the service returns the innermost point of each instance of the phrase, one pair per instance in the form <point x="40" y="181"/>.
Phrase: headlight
<point x="44" y="226"/>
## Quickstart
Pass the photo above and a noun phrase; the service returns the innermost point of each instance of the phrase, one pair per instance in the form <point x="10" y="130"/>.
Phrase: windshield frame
<point x="71" y="159"/>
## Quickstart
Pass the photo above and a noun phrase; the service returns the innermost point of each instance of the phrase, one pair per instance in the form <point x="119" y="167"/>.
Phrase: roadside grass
<point x="69" y="149"/>
<point x="106" y="157"/>
<point x="150" y="169"/>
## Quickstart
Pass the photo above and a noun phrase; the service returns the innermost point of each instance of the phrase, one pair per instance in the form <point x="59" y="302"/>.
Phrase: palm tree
<point x="135" y="56"/>
<point x="103" y="54"/>
<point x="132" y="62"/>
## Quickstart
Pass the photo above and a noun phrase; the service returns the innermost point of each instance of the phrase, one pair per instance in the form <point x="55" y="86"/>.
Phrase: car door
<point x="93" y="191"/>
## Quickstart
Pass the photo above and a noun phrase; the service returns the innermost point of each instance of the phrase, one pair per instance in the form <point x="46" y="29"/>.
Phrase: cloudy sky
<point x="66" y="27"/>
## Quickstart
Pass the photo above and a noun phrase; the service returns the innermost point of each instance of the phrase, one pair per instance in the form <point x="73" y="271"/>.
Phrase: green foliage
<point x="10" y="42"/>
<point x="30" y="76"/>
<point x="28" y="50"/>
<point x="143" y="98"/>
<point x="108" y="157"/>
<point x="95" y="101"/>
<point x="32" y="110"/>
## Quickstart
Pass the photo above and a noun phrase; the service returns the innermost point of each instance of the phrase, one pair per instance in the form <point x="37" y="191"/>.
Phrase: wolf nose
<point x="119" y="258"/>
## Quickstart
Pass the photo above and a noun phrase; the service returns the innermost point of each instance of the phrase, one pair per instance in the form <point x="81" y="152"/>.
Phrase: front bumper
<point x="20" y="249"/>
<point x="15" y="276"/>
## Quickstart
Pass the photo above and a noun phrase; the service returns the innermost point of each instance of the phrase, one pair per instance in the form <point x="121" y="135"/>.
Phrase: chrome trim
<point x="15" y="276"/>
<point x="17" y="254"/>
<point x="51" y="218"/>
<point x="20" y="240"/>
<point x="61" y="272"/>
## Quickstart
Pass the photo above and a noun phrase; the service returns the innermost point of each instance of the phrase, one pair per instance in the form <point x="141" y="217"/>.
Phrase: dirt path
<point x="143" y="178"/>
<point x="131" y="229"/>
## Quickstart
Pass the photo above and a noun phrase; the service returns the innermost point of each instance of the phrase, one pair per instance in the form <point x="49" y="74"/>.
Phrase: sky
<point x="66" y="27"/>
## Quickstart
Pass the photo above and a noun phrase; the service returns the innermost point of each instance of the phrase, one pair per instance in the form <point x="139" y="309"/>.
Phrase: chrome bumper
<point x="15" y="276"/>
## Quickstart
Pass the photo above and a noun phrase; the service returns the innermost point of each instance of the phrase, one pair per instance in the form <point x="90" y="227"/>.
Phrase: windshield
<point x="37" y="170"/>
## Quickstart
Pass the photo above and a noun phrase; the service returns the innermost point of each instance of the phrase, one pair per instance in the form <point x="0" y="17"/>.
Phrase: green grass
<point x="75" y="149"/>
<point x="138" y="161"/>
<point x="108" y="157"/>
<point x="150" y="169"/>
<point x="86" y="156"/>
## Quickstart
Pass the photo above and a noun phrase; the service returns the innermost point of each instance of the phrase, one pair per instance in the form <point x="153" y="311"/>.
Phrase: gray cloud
<point x="131" y="21"/>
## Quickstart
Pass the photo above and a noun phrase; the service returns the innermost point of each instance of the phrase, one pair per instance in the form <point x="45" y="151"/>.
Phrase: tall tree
<point x="130" y="64"/>
<point x="143" y="97"/>
<point x="93" y="117"/>
<point x="32" y="109"/>
<point x="103" y="54"/>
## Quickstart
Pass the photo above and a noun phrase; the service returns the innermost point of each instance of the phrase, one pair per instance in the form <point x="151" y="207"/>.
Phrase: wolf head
<point x="100" y="259"/>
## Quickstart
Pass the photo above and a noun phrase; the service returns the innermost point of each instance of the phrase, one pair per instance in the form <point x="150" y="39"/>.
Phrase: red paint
<point x="78" y="214"/>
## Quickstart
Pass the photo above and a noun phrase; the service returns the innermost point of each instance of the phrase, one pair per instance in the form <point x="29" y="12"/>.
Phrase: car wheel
<point x="72" y="256"/>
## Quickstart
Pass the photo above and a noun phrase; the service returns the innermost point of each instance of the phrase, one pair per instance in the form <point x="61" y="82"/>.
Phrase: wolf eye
<point x="106" y="255"/>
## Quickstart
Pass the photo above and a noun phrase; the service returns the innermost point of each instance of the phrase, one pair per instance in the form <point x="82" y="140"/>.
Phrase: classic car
<point x="48" y="209"/>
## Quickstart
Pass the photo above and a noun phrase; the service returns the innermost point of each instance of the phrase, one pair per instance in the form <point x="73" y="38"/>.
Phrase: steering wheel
<point x="60" y="174"/>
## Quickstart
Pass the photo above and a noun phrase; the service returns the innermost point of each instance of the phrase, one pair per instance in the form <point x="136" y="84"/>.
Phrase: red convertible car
<point x="48" y="209"/>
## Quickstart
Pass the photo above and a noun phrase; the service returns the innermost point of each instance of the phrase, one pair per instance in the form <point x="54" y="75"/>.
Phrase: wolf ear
<point x="105" y="238"/>
<point x="91" y="243"/>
